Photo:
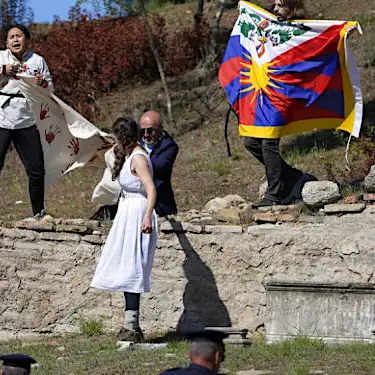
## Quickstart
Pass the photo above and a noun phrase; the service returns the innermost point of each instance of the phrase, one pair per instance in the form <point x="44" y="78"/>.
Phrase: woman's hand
<point x="9" y="69"/>
<point x="38" y="79"/>
<point x="147" y="225"/>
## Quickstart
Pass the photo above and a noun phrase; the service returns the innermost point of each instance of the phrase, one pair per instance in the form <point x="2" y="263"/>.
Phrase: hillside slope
<point x="203" y="169"/>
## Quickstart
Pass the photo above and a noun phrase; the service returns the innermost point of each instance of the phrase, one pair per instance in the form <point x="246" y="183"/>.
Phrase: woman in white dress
<point x="128" y="254"/>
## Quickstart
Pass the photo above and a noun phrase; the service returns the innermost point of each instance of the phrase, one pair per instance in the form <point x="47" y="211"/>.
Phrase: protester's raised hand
<point x="9" y="69"/>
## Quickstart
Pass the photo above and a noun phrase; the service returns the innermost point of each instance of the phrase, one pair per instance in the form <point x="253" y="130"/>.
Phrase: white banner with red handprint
<point x="68" y="139"/>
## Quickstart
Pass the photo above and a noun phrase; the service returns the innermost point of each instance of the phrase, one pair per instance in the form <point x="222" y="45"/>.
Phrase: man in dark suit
<point x="206" y="353"/>
<point x="163" y="151"/>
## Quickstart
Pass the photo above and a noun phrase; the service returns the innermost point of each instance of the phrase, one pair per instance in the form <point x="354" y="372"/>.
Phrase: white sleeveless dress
<point x="128" y="254"/>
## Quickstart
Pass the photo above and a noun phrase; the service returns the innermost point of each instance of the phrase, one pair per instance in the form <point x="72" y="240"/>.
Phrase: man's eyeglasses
<point x="147" y="131"/>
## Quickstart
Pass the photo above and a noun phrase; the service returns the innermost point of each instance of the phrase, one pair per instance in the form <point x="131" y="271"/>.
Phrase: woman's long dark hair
<point x="126" y="132"/>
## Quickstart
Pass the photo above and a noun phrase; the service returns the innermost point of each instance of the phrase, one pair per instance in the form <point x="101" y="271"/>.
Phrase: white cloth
<point x="107" y="192"/>
<point x="68" y="139"/>
<point x="15" y="113"/>
<point x="128" y="254"/>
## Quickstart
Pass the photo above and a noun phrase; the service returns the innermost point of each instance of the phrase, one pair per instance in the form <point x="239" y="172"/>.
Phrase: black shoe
<point x="264" y="203"/>
<point x="295" y="194"/>
<point x="130" y="335"/>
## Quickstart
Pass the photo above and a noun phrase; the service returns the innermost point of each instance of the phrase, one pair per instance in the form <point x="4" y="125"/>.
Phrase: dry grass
<point x="82" y="355"/>
<point x="203" y="169"/>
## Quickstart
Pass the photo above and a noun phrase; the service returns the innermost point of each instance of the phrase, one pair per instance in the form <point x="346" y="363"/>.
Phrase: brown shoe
<point x="130" y="335"/>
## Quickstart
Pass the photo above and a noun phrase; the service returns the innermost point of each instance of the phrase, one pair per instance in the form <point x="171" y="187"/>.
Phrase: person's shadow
<point x="202" y="304"/>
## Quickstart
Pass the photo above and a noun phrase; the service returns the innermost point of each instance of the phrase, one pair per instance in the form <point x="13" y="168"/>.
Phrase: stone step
<point x="232" y="331"/>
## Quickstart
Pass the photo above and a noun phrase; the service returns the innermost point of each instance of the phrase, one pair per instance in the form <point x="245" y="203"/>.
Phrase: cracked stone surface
<point x="45" y="276"/>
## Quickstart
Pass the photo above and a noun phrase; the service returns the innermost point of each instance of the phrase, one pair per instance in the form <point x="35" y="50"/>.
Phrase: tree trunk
<point x="199" y="13"/>
<point x="158" y="63"/>
<point x="216" y="24"/>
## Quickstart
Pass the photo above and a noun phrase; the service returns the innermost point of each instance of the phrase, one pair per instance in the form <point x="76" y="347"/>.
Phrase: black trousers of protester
<point x="281" y="176"/>
<point x="29" y="148"/>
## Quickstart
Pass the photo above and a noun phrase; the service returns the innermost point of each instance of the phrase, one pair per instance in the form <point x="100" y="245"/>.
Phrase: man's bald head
<point x="151" y="126"/>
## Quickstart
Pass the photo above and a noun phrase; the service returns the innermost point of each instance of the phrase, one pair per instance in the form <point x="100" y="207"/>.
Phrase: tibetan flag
<point x="290" y="77"/>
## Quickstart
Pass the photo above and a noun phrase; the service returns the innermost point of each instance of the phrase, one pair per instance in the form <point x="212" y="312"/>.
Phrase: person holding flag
<point x="284" y="75"/>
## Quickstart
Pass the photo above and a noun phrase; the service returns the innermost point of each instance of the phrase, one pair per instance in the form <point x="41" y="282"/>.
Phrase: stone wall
<point x="204" y="275"/>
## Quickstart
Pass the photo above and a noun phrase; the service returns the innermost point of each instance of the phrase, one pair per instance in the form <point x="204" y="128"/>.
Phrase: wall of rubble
<point x="209" y="270"/>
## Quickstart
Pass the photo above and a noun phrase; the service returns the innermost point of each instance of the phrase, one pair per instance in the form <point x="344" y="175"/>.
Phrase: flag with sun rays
<point x="290" y="77"/>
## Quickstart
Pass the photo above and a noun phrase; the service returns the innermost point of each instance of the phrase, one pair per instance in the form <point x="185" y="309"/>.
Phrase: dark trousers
<point x="132" y="301"/>
<point x="281" y="176"/>
<point x="29" y="148"/>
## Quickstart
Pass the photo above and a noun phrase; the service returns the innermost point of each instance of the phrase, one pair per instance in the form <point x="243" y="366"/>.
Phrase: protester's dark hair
<point x="296" y="9"/>
<point x="24" y="29"/>
<point x="126" y="132"/>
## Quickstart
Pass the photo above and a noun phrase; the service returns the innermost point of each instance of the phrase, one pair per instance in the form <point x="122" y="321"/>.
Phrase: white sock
<point x="131" y="319"/>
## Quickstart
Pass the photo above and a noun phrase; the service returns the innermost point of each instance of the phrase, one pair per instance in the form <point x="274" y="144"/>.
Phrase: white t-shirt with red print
<point x="15" y="112"/>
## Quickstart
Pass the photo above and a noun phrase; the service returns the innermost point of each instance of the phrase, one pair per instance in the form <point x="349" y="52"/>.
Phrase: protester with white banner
<point x="50" y="137"/>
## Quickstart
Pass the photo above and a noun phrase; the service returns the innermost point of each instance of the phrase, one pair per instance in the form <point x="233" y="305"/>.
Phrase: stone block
<point x="229" y="215"/>
<point x="313" y="219"/>
<point x="81" y="229"/>
<point x="337" y="208"/>
<point x="235" y="229"/>
<point x="69" y="237"/>
<point x="369" y="197"/>
<point x="332" y="312"/>
<point x="178" y="227"/>
<point x="207" y="220"/>
<point x="266" y="217"/>
<point x="34" y="226"/>
<point x="18" y="234"/>
<point x="91" y="238"/>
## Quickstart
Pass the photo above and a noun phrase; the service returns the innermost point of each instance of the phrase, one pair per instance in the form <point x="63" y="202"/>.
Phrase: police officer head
<point x="207" y="348"/>
<point x="16" y="364"/>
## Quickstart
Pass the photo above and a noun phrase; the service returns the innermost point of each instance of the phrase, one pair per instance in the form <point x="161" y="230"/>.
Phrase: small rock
<point x="61" y="348"/>
<point x="207" y="220"/>
<point x="97" y="233"/>
<point x="216" y="205"/>
<point x="369" y="182"/>
<point x="350" y="199"/>
<point x="195" y="221"/>
<point x="319" y="193"/>
<point x="18" y="202"/>
<point x="234" y="199"/>
<point x="317" y="372"/>
<point x="229" y="215"/>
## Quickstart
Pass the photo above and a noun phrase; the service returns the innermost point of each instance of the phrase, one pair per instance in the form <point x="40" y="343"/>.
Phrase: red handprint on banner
<point x="74" y="146"/>
<point x="50" y="135"/>
<point x="44" y="109"/>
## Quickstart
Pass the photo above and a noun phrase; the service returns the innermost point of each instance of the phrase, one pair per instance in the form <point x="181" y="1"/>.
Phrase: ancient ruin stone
<point x="369" y="182"/>
<point x="319" y="193"/>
